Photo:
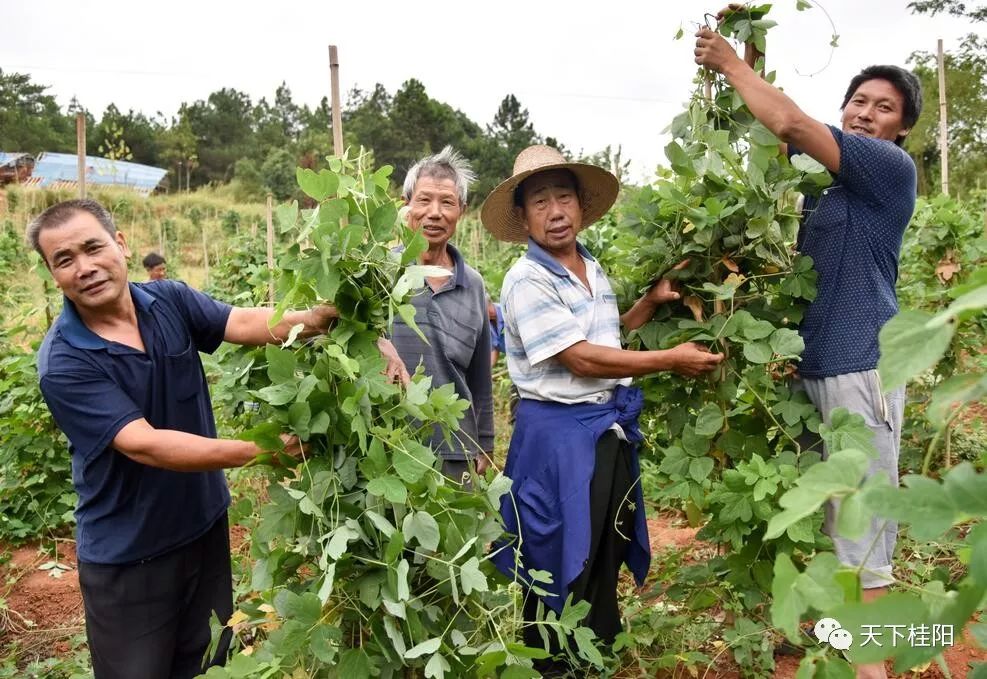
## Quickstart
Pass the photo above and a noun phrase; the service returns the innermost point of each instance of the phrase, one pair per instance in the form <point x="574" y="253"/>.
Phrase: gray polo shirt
<point x="454" y="319"/>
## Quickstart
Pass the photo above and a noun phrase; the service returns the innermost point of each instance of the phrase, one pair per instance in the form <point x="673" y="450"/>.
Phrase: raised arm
<point x="662" y="292"/>
<point x="593" y="360"/>
<point x="249" y="326"/>
<point x="771" y="106"/>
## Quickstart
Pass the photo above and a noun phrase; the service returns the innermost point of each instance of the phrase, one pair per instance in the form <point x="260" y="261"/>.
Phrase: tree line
<point x="228" y="136"/>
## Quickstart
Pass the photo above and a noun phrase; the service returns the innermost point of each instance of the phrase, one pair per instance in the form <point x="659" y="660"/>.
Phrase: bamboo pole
<point x="270" y="249"/>
<point x="943" y="143"/>
<point x="80" y="149"/>
<point x="337" y="117"/>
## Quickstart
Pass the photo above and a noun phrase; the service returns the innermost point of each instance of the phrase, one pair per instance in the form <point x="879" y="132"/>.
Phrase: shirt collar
<point x="459" y="267"/>
<point x="77" y="334"/>
<point x="540" y="255"/>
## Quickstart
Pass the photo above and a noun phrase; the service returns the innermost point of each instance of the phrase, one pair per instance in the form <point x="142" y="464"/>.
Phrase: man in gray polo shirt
<point x="451" y="312"/>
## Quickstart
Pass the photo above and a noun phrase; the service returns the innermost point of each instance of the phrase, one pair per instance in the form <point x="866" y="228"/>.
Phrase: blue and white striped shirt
<point x="548" y="309"/>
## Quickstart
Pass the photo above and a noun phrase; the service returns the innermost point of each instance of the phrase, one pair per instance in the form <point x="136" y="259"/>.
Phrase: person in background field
<point x="450" y="311"/>
<point x="121" y="373"/>
<point x="496" y="317"/>
<point x="156" y="266"/>
<point x="576" y="503"/>
<point x="853" y="233"/>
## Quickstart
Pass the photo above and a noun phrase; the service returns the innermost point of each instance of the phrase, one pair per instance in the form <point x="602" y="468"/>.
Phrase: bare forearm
<point x="250" y="326"/>
<point x="639" y="314"/>
<point x="592" y="360"/>
<point x="183" y="452"/>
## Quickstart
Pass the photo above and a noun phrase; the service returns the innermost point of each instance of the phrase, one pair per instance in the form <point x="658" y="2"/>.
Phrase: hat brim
<point x="597" y="192"/>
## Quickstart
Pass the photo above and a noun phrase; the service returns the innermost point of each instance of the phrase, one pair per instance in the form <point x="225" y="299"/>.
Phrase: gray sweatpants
<point x="861" y="393"/>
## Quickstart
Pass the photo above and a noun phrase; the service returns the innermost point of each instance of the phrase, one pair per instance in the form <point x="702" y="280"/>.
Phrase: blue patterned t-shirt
<point x="853" y="233"/>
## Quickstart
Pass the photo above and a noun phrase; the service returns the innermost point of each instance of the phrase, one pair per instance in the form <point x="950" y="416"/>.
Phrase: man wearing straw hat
<point x="576" y="503"/>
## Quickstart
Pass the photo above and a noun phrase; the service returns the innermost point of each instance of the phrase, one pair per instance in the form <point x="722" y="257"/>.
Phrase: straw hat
<point x="597" y="192"/>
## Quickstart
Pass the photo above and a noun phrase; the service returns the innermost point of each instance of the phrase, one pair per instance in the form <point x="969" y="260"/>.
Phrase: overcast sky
<point x="590" y="74"/>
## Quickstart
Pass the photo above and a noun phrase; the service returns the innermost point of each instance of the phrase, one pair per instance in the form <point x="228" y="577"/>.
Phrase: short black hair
<point x="152" y="260"/>
<point x="905" y="82"/>
<point x="60" y="213"/>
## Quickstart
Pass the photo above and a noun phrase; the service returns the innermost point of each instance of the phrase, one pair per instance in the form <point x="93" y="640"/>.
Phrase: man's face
<point x="875" y="110"/>
<point x="87" y="263"/>
<point x="156" y="273"/>
<point x="550" y="209"/>
<point x="435" y="209"/>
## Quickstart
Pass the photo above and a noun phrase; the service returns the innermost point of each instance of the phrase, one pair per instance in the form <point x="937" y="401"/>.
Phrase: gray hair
<point x="446" y="164"/>
<point x="60" y="213"/>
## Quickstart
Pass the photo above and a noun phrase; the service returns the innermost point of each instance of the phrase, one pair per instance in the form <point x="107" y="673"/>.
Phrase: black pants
<point x="611" y="529"/>
<point x="150" y="620"/>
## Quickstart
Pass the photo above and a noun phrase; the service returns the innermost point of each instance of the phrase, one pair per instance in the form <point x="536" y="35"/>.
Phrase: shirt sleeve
<point x="875" y="169"/>
<point x="544" y="323"/>
<point x="89" y="407"/>
<point x="205" y="317"/>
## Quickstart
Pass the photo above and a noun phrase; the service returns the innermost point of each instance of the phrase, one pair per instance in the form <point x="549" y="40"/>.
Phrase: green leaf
<point x="389" y="487"/>
<point x="422" y="526"/>
<point x="967" y="490"/>
<point x="788" y="343"/>
<point x="354" y="664"/>
<point x="471" y="577"/>
<point x="586" y="648"/>
<point x="787" y="605"/>
<point x="319" y="185"/>
<point x="758" y="352"/>
<point x="341" y="537"/>
<point x="709" y="421"/>
<point x="278" y="394"/>
<point x="909" y="346"/>
<point x="806" y="163"/>
<point x="437" y="666"/>
<point x="413" y="461"/>
<point x="802" y="5"/>
<point x="424" y="648"/>
<point x="921" y="503"/>
<point x="847" y="430"/>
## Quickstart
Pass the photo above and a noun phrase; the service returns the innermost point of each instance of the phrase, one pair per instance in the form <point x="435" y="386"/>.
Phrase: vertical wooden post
<point x="161" y="239"/>
<point x="270" y="248"/>
<point x="337" y="117"/>
<point x="80" y="149"/>
<point x="205" y="255"/>
<point x="943" y="142"/>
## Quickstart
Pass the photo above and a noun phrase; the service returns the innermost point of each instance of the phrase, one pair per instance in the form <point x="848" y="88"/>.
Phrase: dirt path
<point x="45" y="612"/>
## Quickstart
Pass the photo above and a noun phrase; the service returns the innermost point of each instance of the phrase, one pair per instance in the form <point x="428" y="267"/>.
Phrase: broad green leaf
<point x="786" y="342"/>
<point x="354" y="664"/>
<point x="787" y="605"/>
<point x="423" y="527"/>
<point x="586" y="647"/>
<point x="341" y="537"/>
<point x="847" y="430"/>
<point x="922" y="504"/>
<point x="278" y="394"/>
<point x="861" y="618"/>
<point x="971" y="301"/>
<point x="394" y="634"/>
<point x="909" y="346"/>
<point x="413" y="461"/>
<point x="389" y="487"/>
<point x="806" y="163"/>
<point x="424" y="648"/>
<point x="471" y="577"/>
<point x="758" y="352"/>
<point x="967" y="490"/>
<point x="319" y="185"/>
<point x="437" y="666"/>
<point x="709" y="421"/>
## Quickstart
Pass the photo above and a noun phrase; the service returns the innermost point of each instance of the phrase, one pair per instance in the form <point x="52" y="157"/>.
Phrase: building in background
<point x="60" y="170"/>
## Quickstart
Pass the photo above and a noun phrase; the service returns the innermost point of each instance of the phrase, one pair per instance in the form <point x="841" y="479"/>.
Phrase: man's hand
<point x="713" y="51"/>
<point x="293" y="446"/>
<point x="664" y="290"/>
<point x="729" y="9"/>
<point x="482" y="462"/>
<point x="396" y="371"/>
<point x="322" y="317"/>
<point x="692" y="360"/>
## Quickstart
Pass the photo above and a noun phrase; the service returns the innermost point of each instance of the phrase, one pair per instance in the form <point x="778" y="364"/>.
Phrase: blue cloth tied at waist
<point x="551" y="461"/>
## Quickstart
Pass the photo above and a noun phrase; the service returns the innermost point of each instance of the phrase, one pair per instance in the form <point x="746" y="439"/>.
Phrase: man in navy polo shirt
<point x="853" y="234"/>
<point x="121" y="374"/>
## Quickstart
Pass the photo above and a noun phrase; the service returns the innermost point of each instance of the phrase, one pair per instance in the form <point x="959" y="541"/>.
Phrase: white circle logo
<point x="840" y="639"/>
<point x="824" y="628"/>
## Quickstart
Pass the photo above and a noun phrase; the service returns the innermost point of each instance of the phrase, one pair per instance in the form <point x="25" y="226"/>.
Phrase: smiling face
<point x="550" y="209"/>
<point x="875" y="109"/>
<point x="87" y="263"/>
<point x="434" y="209"/>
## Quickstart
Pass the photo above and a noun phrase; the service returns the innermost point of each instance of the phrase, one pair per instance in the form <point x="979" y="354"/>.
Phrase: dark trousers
<point x="612" y="527"/>
<point x="150" y="620"/>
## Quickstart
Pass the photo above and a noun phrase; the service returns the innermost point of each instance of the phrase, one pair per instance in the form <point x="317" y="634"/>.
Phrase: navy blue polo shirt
<point x="853" y="233"/>
<point x="130" y="511"/>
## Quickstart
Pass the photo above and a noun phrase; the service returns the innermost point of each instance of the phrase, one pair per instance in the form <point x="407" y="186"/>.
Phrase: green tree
<point x="222" y="126"/>
<point x="179" y="147"/>
<point x="31" y="120"/>
<point x="121" y="135"/>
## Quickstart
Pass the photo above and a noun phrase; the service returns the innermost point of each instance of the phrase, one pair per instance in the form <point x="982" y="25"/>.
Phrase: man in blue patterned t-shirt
<point x="853" y="233"/>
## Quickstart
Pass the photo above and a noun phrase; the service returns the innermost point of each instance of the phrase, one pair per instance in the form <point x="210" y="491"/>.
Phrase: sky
<point x="590" y="74"/>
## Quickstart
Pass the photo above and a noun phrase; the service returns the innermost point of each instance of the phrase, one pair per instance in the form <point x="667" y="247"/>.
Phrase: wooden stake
<point x="205" y="255"/>
<point x="943" y="143"/>
<point x="337" y="117"/>
<point x="270" y="248"/>
<point x="80" y="149"/>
